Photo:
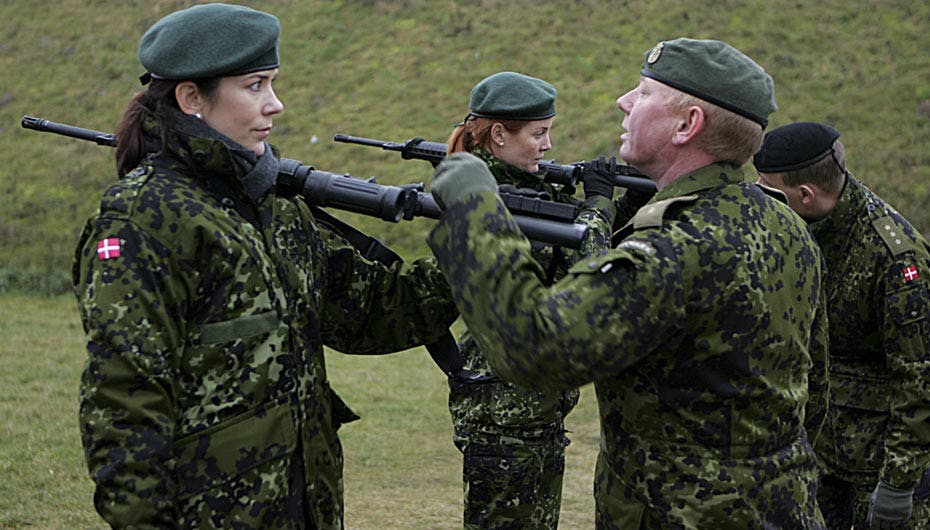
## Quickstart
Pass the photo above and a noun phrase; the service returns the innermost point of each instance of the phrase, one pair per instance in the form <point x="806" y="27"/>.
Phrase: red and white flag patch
<point x="108" y="248"/>
<point x="910" y="273"/>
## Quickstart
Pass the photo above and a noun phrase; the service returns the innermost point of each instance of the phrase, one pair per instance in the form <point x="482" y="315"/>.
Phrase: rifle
<point x="541" y="220"/>
<point x="564" y="174"/>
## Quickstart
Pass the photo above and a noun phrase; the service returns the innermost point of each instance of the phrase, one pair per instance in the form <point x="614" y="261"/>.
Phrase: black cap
<point x="795" y="146"/>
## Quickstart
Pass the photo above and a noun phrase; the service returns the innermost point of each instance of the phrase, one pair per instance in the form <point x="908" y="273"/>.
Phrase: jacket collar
<point x="710" y="176"/>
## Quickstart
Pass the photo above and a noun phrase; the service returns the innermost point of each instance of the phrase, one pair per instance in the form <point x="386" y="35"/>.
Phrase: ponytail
<point x="476" y="132"/>
<point x="154" y="102"/>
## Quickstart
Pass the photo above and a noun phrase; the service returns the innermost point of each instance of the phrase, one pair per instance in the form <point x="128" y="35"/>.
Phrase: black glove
<point x="599" y="178"/>
<point x="890" y="507"/>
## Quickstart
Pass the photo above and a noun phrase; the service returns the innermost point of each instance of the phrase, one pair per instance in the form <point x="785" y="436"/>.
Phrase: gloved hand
<point x="890" y="506"/>
<point x="458" y="175"/>
<point x="599" y="178"/>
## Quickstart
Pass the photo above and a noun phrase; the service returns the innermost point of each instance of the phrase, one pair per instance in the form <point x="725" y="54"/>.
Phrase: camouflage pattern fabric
<point x="846" y="506"/>
<point x="877" y="288"/>
<point x="204" y="401"/>
<point x="702" y="331"/>
<point x="512" y="438"/>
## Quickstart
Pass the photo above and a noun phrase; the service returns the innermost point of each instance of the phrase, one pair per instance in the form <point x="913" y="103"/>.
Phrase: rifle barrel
<point x="635" y="183"/>
<point x="39" y="124"/>
<point x="555" y="173"/>
<point x="345" y="138"/>
<point x="349" y="193"/>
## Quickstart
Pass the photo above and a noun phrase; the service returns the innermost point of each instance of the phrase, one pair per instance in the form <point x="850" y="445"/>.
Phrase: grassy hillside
<point x="403" y="68"/>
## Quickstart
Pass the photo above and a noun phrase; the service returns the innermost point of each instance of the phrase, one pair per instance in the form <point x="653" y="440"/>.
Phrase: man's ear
<point x="808" y="193"/>
<point x="188" y="97"/>
<point x="690" y="123"/>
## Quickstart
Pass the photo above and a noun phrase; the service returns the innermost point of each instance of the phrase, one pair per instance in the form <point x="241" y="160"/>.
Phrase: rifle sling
<point x="444" y="351"/>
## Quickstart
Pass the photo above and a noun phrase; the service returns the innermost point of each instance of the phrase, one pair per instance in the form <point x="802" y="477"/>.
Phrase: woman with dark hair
<point x="207" y="300"/>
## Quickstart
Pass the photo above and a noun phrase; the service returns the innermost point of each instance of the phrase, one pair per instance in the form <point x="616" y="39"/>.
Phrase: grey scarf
<point x="258" y="173"/>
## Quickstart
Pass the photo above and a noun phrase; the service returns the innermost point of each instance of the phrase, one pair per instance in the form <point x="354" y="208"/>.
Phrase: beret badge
<point x="655" y="53"/>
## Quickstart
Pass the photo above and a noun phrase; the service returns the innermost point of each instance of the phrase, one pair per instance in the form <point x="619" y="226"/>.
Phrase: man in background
<point x="875" y="446"/>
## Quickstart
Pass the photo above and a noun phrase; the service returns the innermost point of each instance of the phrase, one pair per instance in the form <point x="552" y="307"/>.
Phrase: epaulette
<point x="891" y="234"/>
<point x="651" y="215"/>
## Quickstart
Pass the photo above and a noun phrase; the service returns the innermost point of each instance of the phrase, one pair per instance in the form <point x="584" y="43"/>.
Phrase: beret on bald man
<point x="512" y="96"/>
<point x="715" y="72"/>
<point x="795" y="146"/>
<point x="210" y="40"/>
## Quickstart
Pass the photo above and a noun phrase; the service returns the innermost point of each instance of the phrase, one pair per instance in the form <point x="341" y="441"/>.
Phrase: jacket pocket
<point x="218" y="455"/>
<point x="859" y="391"/>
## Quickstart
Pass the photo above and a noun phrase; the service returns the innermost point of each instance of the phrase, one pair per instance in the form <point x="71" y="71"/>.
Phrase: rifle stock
<point x="543" y="221"/>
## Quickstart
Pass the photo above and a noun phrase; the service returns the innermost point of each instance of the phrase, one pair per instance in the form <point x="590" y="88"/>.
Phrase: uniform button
<point x="199" y="156"/>
<point x="227" y="202"/>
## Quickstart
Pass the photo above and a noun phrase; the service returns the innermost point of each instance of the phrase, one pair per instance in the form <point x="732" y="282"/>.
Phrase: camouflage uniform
<point x="207" y="302"/>
<point x="701" y="330"/>
<point x="513" y="438"/>
<point x="877" y="295"/>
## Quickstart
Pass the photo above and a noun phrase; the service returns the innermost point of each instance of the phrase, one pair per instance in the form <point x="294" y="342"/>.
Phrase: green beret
<point x="512" y="96"/>
<point x="715" y="72"/>
<point x="210" y="40"/>
<point x="795" y="146"/>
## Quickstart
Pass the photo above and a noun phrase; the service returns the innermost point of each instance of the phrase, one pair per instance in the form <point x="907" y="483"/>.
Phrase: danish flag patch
<point x="910" y="273"/>
<point x="108" y="248"/>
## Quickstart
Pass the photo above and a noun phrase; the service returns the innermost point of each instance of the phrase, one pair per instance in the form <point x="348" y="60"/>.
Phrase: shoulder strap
<point x="891" y="234"/>
<point x="651" y="215"/>
<point x="444" y="351"/>
<point x="370" y="247"/>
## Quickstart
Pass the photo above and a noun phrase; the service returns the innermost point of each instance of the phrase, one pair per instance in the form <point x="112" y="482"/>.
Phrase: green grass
<point x="45" y="482"/>
<point x="392" y="69"/>
<point x="401" y="470"/>
<point x="396" y="69"/>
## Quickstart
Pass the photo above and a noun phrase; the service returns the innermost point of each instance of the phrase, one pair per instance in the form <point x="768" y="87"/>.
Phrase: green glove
<point x="890" y="506"/>
<point x="458" y="175"/>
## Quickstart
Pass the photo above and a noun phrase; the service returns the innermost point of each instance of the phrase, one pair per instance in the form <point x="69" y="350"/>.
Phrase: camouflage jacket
<point x="520" y="413"/>
<point x="702" y="331"/>
<point x="204" y="401"/>
<point x="878" y="302"/>
<point x="596" y="213"/>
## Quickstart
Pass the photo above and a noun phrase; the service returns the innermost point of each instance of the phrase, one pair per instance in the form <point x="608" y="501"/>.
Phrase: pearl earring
<point x="199" y="117"/>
